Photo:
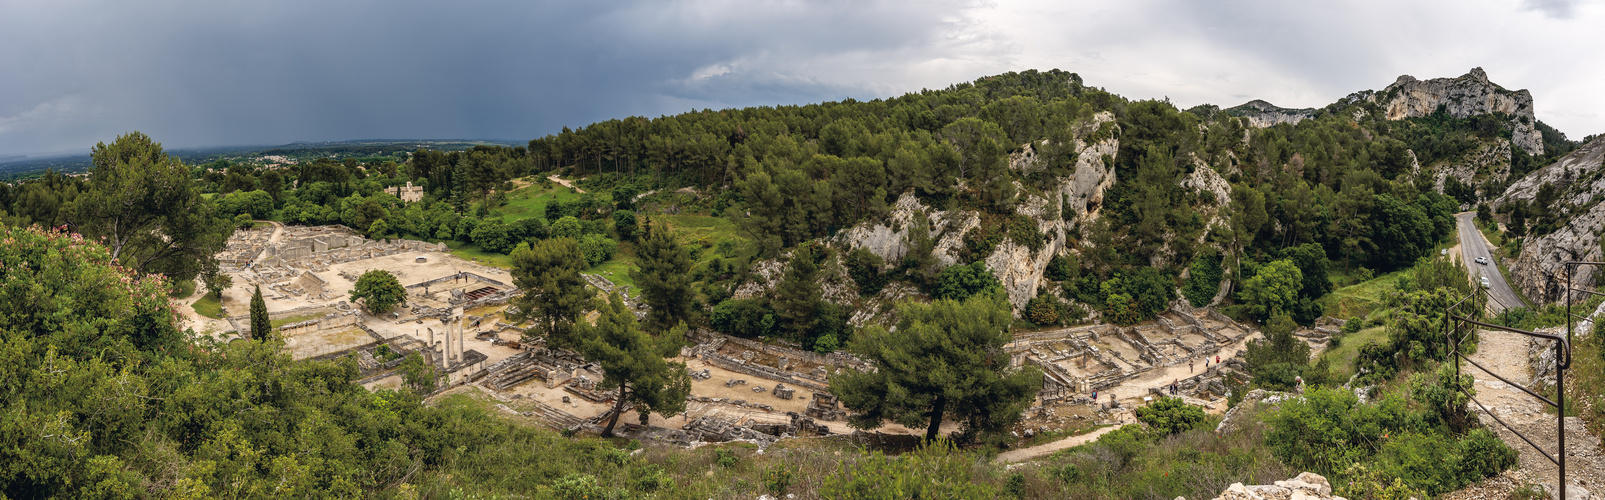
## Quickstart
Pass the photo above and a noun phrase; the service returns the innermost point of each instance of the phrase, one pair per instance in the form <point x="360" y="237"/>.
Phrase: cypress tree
<point x="261" y="326"/>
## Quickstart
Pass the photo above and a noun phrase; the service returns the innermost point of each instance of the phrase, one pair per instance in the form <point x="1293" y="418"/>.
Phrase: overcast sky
<point x="229" y="72"/>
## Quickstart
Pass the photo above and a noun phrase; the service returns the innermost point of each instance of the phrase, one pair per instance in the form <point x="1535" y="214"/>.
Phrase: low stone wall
<point x="329" y="322"/>
<point x="761" y="371"/>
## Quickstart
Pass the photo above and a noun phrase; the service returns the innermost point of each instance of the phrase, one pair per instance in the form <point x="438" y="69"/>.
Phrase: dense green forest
<point x="106" y="398"/>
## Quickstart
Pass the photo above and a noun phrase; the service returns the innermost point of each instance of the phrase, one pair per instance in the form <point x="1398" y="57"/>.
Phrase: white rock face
<point x="1261" y="114"/>
<point x="1092" y="176"/>
<point x="1308" y="485"/>
<point x="1468" y="95"/>
<point x="1564" y="173"/>
<point x="1204" y="178"/>
<point x="1537" y="272"/>
<point x="1018" y="267"/>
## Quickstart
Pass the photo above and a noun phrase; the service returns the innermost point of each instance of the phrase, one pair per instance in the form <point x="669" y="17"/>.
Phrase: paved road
<point x="1472" y="246"/>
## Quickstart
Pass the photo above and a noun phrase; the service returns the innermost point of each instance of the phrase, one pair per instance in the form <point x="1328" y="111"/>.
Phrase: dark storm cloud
<point x="208" y="73"/>
<point x="229" y="72"/>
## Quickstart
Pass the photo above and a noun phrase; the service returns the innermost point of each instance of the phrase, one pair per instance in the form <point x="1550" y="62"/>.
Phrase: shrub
<point x="1043" y="310"/>
<point x="960" y="282"/>
<point x="577" y="487"/>
<point x="1024" y="232"/>
<point x="725" y="458"/>
<point x="827" y="344"/>
<point x="597" y="248"/>
<point x="567" y="227"/>
<point x="936" y="470"/>
<point x="651" y="477"/>
<point x="777" y="478"/>
<point x="1016" y="485"/>
<point x="1167" y="416"/>
<point x="865" y="268"/>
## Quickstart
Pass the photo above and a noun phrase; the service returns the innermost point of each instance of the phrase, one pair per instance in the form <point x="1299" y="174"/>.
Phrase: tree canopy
<point x="945" y="358"/>
<point x="144" y="204"/>
<point x="634" y="362"/>
<point x="379" y="291"/>
<point x="664" y="277"/>
<point x="554" y="293"/>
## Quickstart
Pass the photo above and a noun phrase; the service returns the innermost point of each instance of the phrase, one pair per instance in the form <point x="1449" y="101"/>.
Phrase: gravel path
<point x="1506" y="354"/>
<point x="567" y="184"/>
<point x="1023" y="454"/>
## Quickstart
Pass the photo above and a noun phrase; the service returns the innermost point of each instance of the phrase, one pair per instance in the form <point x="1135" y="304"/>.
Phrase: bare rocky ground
<point x="1506" y="353"/>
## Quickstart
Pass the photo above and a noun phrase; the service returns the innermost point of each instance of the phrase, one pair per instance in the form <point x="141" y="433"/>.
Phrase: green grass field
<point x="209" y="305"/>
<point x="1359" y="299"/>
<point x="530" y="201"/>
<point x="702" y="234"/>
<point x="620" y="269"/>
<point x="1342" y="357"/>
<point x="470" y="251"/>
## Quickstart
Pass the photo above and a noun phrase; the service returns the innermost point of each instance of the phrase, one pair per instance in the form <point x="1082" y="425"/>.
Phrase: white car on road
<point x="1485" y="282"/>
<point x="1482" y="260"/>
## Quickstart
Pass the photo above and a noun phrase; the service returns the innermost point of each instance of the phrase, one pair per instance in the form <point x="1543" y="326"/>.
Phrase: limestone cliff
<point x="1466" y="96"/>
<point x="1578" y="178"/>
<point x="1261" y="114"/>
<point x="1019" y="268"/>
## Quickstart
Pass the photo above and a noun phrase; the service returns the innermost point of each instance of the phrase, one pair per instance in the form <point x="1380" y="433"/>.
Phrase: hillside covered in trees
<point x="809" y="225"/>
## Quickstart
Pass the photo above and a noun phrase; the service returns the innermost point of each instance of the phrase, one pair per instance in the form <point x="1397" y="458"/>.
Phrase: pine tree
<point x="664" y="278"/>
<point x="554" y="292"/>
<point x="944" y="358"/>
<point x="635" y="362"/>
<point x="261" y="326"/>
<point x="798" y="298"/>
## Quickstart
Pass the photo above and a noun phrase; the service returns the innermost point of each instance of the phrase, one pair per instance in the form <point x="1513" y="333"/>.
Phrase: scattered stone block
<point x="783" y="392"/>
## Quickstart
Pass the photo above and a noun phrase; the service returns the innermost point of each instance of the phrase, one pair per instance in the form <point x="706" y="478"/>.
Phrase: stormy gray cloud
<point x="217" y="73"/>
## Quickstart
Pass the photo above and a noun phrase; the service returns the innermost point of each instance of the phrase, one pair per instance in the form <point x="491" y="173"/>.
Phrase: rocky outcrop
<point x="1578" y="178"/>
<point x="1576" y="174"/>
<point x="1018" y="267"/>
<point x="1306" y="486"/>
<point x="1538" y="274"/>
<point x="1083" y="191"/>
<point x="1469" y="95"/>
<point x="1261" y="114"/>
<point x="1491" y="162"/>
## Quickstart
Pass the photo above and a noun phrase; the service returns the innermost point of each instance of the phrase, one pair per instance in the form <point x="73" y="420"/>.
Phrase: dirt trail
<point x="1506" y="354"/>
<point x="567" y="184"/>
<point x="1023" y="454"/>
<point x="278" y="235"/>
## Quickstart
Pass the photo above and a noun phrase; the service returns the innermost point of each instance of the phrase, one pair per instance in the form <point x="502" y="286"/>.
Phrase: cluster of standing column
<point x="452" y="351"/>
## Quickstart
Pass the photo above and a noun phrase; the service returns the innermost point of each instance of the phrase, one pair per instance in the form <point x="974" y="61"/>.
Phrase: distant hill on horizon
<point x="18" y="167"/>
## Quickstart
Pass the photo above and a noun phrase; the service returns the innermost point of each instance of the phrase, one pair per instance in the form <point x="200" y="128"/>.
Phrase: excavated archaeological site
<point x="741" y="389"/>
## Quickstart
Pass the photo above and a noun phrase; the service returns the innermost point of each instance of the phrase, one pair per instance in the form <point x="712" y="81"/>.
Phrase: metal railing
<point x="1460" y="323"/>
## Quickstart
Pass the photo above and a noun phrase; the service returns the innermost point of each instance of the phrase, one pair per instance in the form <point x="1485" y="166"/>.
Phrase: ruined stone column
<point x="457" y="313"/>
